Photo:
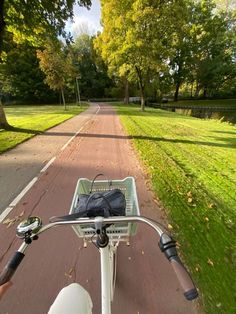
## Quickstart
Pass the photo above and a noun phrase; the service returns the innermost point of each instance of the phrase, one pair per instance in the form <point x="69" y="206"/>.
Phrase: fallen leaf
<point x="211" y="205"/>
<point x="209" y="262"/>
<point x="170" y="227"/>
<point x="67" y="275"/>
<point x="7" y="221"/>
<point x="11" y="221"/>
<point x="156" y="201"/>
<point x="190" y="200"/>
<point x="206" y="219"/>
<point x="198" y="268"/>
<point x="189" y="194"/>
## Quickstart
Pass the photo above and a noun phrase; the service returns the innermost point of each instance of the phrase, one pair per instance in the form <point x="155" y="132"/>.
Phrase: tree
<point x="180" y="45"/>
<point x="136" y="39"/>
<point x="23" y="80"/>
<point x="123" y="43"/>
<point x="33" y="21"/>
<point x="212" y="47"/>
<point x="56" y="66"/>
<point x="90" y="68"/>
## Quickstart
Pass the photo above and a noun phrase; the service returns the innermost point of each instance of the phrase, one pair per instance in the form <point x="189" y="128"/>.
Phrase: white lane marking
<point x="7" y="211"/>
<point x="47" y="165"/>
<point x="98" y="109"/>
<point x="67" y="143"/>
<point x="17" y="199"/>
<point x="71" y="139"/>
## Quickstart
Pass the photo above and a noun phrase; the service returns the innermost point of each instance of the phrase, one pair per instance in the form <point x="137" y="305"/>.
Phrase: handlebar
<point x="166" y="244"/>
<point x="168" y="247"/>
<point x="11" y="267"/>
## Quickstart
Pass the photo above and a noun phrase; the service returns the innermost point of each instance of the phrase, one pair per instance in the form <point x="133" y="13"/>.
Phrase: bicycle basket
<point x="121" y="231"/>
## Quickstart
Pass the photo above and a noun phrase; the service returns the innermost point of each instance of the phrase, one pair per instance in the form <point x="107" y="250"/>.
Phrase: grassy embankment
<point x="192" y="166"/>
<point x="31" y="120"/>
<point x="228" y="103"/>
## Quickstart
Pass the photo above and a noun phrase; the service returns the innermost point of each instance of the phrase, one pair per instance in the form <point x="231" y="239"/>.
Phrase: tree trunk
<point x="192" y="90"/>
<point x="198" y="88"/>
<point x="141" y="86"/>
<point x="76" y="95"/>
<point x="2" y="25"/>
<point x="63" y="98"/>
<point x="126" y="91"/>
<point x="3" y="120"/>
<point x="142" y="101"/>
<point x="177" y="86"/>
<point x="205" y="92"/>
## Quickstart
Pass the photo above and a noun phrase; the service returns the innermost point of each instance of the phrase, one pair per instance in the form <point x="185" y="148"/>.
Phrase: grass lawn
<point x="30" y="120"/>
<point x="192" y="166"/>
<point x="229" y="103"/>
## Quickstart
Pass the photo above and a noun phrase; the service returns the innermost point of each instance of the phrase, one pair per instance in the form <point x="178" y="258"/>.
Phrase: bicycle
<point x="105" y="233"/>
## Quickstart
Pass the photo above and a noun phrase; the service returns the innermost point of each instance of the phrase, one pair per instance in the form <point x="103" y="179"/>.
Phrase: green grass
<point x="229" y="103"/>
<point x="30" y="120"/>
<point x="192" y="166"/>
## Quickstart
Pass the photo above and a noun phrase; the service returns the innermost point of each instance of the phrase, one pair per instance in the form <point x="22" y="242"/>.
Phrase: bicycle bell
<point x="31" y="225"/>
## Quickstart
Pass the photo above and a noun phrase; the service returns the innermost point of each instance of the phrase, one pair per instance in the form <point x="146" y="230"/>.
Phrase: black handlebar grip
<point x="11" y="267"/>
<point x="168" y="247"/>
<point x="190" y="291"/>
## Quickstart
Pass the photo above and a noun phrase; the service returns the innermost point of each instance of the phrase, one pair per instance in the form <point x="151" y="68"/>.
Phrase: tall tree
<point x="180" y="45"/>
<point x="23" y="80"/>
<point x="56" y="65"/>
<point x="212" y="47"/>
<point x="90" y="68"/>
<point x="136" y="38"/>
<point x="31" y="21"/>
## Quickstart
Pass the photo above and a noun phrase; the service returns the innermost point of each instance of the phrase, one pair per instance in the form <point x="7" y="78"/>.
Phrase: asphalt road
<point x="23" y="163"/>
<point x="145" y="281"/>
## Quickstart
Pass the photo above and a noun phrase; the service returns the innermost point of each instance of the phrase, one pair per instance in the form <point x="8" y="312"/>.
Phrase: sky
<point x="86" y="19"/>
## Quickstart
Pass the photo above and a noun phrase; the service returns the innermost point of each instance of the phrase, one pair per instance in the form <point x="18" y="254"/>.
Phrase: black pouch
<point x="105" y="204"/>
<point x="108" y="203"/>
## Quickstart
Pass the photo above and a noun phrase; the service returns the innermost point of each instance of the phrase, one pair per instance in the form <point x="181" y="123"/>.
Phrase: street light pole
<point x="77" y="85"/>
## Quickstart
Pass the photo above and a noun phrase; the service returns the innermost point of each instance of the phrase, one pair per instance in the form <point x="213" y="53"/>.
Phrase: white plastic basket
<point x="121" y="231"/>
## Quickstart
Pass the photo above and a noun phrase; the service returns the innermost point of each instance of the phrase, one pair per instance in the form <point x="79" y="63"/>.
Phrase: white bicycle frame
<point x="107" y="289"/>
<point x="106" y="254"/>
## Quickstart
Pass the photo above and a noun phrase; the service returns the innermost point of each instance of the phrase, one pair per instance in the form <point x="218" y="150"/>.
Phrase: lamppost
<point x="77" y="85"/>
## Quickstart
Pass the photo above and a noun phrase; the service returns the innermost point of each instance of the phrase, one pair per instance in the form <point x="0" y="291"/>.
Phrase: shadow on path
<point x="22" y="130"/>
<point x="231" y="141"/>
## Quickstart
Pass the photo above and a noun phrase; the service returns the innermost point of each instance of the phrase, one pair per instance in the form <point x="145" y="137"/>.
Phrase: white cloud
<point x="84" y="18"/>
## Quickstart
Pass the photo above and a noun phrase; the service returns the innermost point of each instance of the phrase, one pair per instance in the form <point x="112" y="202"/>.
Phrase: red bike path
<point x="146" y="282"/>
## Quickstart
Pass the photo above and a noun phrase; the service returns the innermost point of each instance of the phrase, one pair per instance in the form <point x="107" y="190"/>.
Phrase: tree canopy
<point x="161" y="48"/>
<point x="33" y="21"/>
<point x="169" y="44"/>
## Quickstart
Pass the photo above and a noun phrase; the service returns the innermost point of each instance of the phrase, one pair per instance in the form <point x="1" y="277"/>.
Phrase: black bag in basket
<point x="105" y="204"/>
<point x="108" y="203"/>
